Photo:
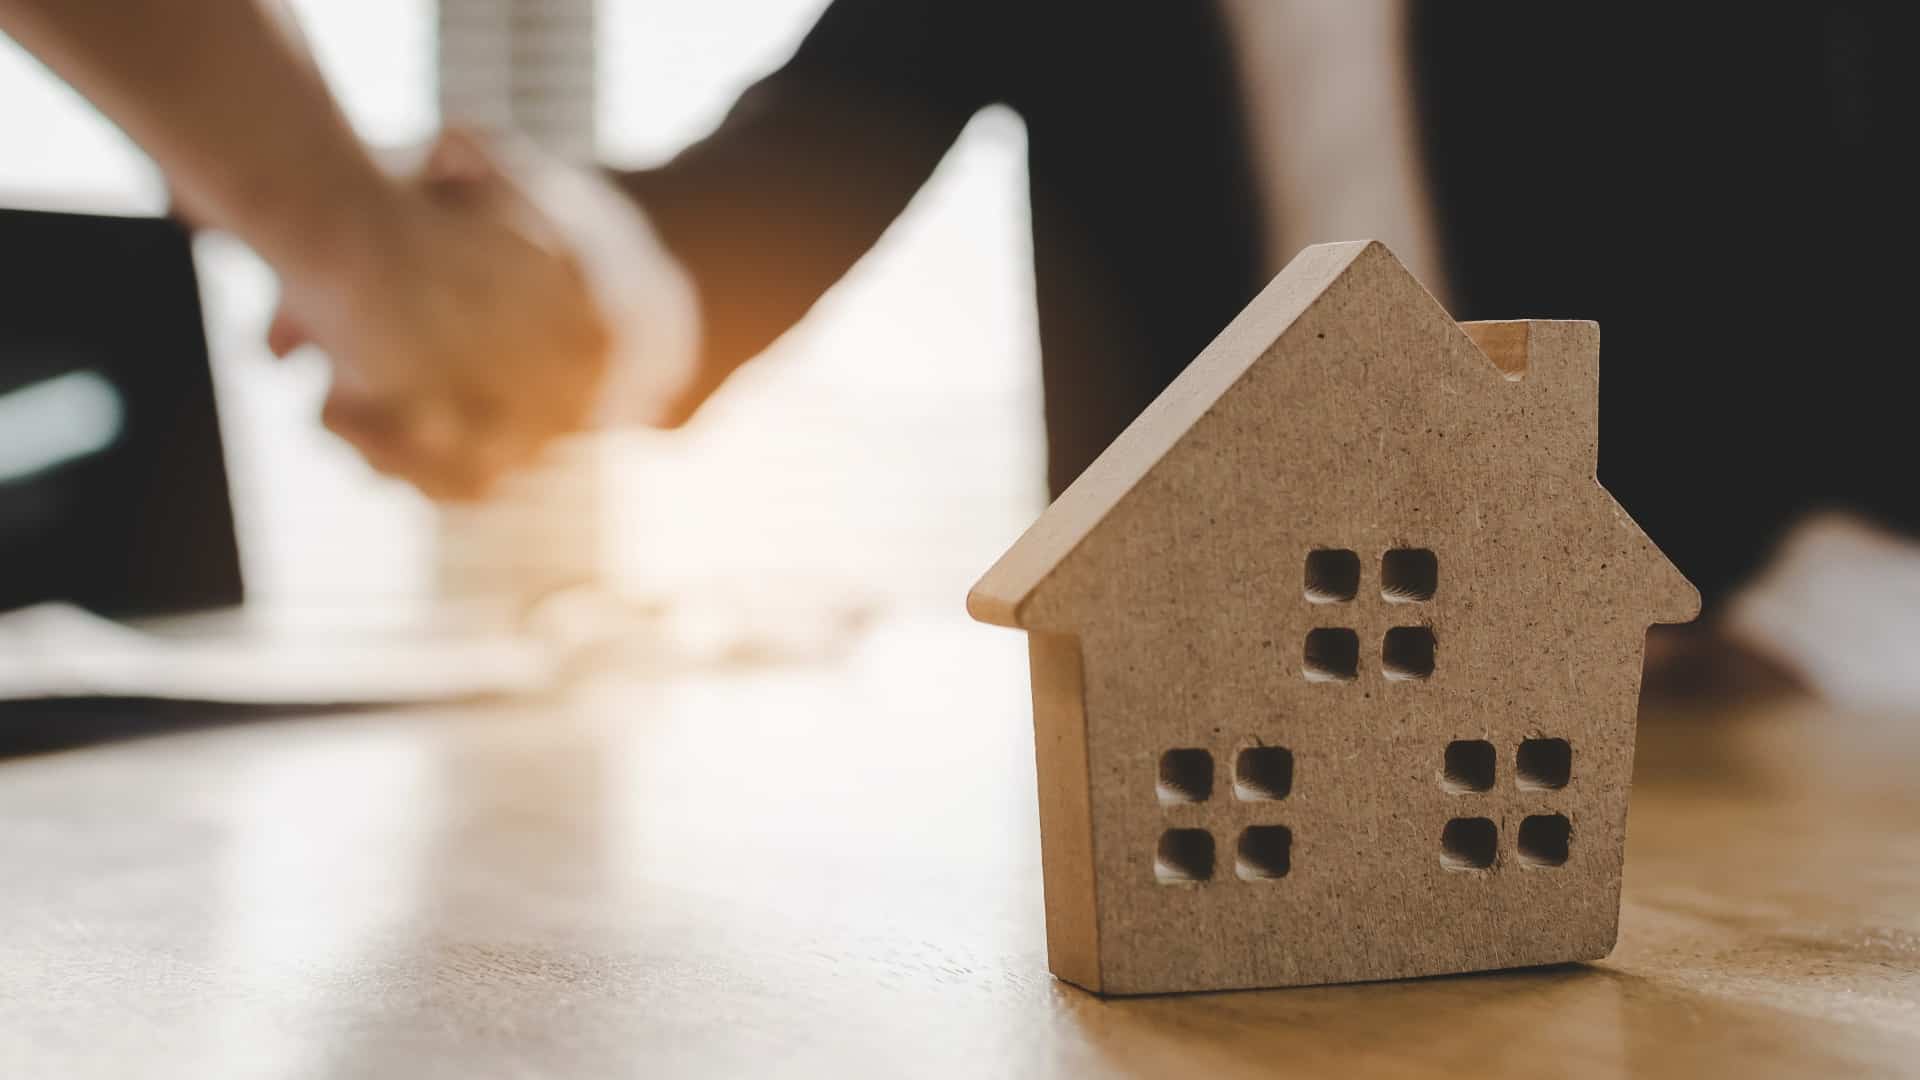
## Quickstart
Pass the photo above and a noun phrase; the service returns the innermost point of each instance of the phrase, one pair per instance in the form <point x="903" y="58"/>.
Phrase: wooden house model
<point x="1336" y="652"/>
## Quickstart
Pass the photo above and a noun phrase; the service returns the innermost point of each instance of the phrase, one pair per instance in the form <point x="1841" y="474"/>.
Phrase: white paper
<point x="1840" y="604"/>
<point x="58" y="650"/>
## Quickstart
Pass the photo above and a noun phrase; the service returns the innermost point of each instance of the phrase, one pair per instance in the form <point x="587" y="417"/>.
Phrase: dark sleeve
<point x="811" y="165"/>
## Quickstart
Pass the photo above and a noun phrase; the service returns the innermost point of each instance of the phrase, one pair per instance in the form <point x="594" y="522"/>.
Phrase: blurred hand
<point x="463" y="338"/>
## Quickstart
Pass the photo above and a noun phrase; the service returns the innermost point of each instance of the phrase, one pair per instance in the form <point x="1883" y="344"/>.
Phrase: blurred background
<point x="1724" y="219"/>
<point x="880" y="457"/>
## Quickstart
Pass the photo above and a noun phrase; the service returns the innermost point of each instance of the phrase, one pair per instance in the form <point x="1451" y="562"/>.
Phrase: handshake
<point x="490" y="301"/>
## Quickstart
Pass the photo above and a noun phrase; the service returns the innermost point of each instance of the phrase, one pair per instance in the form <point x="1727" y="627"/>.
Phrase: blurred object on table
<point x="1838" y="604"/>
<point x="113" y="487"/>
<point x="58" y="651"/>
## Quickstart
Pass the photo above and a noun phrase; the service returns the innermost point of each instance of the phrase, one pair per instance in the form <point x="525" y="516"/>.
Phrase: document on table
<point x="61" y="651"/>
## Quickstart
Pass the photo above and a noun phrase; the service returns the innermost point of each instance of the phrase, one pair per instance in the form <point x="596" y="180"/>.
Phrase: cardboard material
<point x="1336" y="652"/>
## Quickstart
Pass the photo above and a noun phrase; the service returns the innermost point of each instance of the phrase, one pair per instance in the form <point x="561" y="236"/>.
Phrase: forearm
<point x="813" y="163"/>
<point x="774" y="208"/>
<point x="223" y="97"/>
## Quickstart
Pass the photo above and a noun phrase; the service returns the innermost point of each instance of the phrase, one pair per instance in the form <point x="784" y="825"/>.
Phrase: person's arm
<point x="462" y="336"/>
<point x="814" y="162"/>
<point x="221" y="94"/>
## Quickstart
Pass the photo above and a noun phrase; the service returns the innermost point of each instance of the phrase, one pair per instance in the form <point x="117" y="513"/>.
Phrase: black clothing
<point x="1726" y="190"/>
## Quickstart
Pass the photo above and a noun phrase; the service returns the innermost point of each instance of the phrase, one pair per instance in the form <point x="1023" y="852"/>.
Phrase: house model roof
<point x="1261" y="332"/>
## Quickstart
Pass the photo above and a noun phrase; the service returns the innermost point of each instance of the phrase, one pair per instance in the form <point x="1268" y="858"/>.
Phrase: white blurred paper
<point x="61" y="651"/>
<point x="1840" y="604"/>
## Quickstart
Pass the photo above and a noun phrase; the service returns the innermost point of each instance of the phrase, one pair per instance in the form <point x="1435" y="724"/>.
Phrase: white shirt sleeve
<point x="647" y="296"/>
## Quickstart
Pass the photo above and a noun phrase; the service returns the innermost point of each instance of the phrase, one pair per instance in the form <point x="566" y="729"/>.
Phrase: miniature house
<point x="1336" y="652"/>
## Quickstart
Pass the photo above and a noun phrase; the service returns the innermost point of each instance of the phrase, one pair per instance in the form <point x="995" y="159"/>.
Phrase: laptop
<point x="113" y="488"/>
<point x="120" y="570"/>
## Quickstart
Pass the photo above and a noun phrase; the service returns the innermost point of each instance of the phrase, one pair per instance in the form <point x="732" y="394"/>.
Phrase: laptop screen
<point x="113" y="490"/>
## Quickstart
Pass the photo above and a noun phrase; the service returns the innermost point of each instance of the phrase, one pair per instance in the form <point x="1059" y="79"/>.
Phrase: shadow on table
<point x="1454" y="1025"/>
<point x="49" y="726"/>
<point x="1572" y="1019"/>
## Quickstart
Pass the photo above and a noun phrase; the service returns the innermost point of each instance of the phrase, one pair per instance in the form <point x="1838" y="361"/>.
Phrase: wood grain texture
<point x="1345" y="415"/>
<point x="836" y="871"/>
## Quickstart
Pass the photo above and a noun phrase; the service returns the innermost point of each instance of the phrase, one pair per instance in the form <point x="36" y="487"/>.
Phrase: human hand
<point x="461" y="332"/>
<point x="647" y="299"/>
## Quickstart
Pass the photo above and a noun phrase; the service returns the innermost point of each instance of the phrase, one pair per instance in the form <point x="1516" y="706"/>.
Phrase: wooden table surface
<point x="835" y="871"/>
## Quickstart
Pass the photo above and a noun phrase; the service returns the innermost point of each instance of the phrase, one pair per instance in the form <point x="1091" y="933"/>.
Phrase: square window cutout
<point x="1263" y="772"/>
<point x="1409" y="575"/>
<point x="1331" y="655"/>
<point x="1543" y="764"/>
<point x="1184" y="855"/>
<point x="1333" y="575"/>
<point x="1544" y="840"/>
<point x="1469" y="844"/>
<point x="1186" y="776"/>
<point x="1468" y="766"/>
<point x="1266" y="853"/>
<point x="1407" y="653"/>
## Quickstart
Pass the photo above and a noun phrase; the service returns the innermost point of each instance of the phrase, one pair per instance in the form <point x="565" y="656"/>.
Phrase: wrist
<point x="348" y="243"/>
<point x="363" y="255"/>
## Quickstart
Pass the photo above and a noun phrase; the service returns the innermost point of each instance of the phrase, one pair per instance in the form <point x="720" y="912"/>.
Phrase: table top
<point x="796" y="870"/>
